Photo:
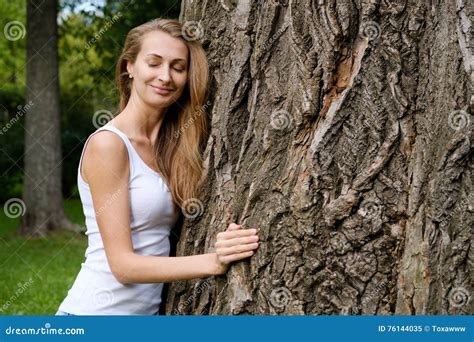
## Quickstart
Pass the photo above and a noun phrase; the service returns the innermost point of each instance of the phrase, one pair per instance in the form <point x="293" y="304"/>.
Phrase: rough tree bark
<point x="42" y="192"/>
<point x="343" y="131"/>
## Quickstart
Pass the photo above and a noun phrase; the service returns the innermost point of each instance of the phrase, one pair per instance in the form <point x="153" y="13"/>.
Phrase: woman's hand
<point x="234" y="244"/>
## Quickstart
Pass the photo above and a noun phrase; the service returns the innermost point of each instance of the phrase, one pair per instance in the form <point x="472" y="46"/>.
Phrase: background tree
<point x="42" y="192"/>
<point x="342" y="130"/>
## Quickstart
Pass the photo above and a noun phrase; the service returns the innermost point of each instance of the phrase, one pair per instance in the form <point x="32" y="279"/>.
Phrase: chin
<point x="159" y="103"/>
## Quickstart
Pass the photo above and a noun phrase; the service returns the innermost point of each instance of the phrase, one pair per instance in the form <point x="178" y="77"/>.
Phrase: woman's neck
<point x="139" y="120"/>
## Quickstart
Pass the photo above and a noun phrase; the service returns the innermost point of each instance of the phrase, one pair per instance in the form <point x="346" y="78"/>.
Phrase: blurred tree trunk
<point x="42" y="192"/>
<point x="343" y="131"/>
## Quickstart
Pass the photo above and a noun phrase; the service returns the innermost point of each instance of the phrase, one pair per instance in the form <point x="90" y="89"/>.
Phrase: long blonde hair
<point x="184" y="131"/>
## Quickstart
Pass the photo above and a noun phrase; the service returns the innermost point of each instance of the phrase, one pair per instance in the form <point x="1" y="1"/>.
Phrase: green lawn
<point x="35" y="274"/>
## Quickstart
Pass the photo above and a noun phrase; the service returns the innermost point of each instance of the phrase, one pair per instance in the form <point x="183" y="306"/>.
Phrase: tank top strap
<point x="125" y="139"/>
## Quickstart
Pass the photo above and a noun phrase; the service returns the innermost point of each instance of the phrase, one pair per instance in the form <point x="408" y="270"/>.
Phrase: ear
<point x="130" y="67"/>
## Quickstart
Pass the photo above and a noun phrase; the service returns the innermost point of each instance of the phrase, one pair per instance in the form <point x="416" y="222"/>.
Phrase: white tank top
<point x="96" y="291"/>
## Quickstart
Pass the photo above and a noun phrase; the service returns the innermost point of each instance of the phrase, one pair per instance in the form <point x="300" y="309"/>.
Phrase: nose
<point x="164" y="75"/>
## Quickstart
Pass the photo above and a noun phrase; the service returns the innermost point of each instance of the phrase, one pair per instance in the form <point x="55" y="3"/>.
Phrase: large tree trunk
<point x="42" y="191"/>
<point x="343" y="131"/>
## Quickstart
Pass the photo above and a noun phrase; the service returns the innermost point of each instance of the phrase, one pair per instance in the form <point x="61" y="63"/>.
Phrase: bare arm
<point x="106" y="169"/>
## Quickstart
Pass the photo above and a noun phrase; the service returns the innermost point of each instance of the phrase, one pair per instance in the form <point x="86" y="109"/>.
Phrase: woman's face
<point x="160" y="71"/>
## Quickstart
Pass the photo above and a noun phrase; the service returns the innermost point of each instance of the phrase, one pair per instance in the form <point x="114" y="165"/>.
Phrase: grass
<point x="35" y="274"/>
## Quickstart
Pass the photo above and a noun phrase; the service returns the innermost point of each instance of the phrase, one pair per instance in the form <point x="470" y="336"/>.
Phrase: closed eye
<point x="177" y="69"/>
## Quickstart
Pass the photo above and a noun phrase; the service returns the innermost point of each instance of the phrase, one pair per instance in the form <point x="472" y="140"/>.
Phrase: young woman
<point x="136" y="172"/>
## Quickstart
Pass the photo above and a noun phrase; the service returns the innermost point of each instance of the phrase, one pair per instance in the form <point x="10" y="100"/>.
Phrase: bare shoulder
<point x="105" y="154"/>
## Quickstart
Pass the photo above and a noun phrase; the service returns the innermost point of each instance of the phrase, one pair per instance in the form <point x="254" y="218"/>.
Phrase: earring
<point x="130" y="76"/>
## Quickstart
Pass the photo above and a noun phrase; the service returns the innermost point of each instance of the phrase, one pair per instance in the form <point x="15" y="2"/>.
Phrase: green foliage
<point x="12" y="118"/>
<point x="12" y="51"/>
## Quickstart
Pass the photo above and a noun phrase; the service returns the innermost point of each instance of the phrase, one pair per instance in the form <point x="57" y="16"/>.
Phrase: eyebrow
<point x="174" y="60"/>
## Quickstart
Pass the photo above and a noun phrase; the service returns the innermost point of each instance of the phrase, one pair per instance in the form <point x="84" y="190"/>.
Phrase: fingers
<point x="235" y="234"/>
<point x="236" y="241"/>
<point x="234" y="257"/>
<point x="233" y="226"/>
<point x="237" y="249"/>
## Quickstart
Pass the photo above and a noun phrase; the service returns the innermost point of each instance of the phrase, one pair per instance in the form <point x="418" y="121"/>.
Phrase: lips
<point x="161" y="90"/>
